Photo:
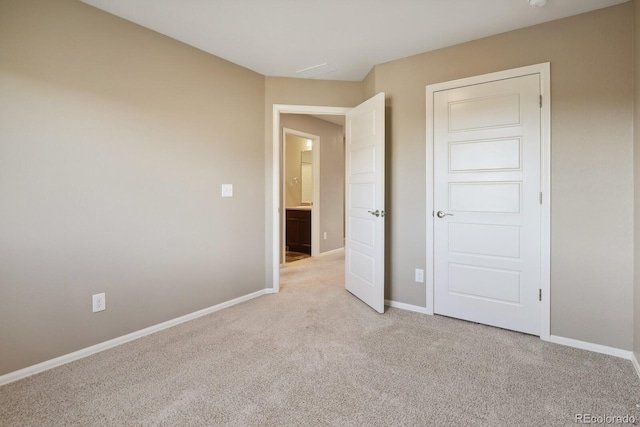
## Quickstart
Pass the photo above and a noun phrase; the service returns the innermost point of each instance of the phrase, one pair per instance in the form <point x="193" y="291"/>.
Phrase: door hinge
<point x="540" y="101"/>
<point x="540" y="197"/>
<point x="539" y="294"/>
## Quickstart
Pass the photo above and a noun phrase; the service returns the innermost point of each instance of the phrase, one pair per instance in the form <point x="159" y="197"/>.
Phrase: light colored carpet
<point x="315" y="355"/>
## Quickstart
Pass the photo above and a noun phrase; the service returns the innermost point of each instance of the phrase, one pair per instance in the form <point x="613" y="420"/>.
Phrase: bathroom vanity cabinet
<point x="299" y="229"/>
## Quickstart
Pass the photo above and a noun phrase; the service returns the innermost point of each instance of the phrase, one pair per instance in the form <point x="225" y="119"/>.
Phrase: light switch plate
<point x="227" y="190"/>
<point x="419" y="275"/>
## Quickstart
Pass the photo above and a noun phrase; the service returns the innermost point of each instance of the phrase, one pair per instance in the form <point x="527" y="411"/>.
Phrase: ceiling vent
<point x="316" y="70"/>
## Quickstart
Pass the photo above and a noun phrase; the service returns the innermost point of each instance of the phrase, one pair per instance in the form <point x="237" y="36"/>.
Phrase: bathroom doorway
<point x="300" y="194"/>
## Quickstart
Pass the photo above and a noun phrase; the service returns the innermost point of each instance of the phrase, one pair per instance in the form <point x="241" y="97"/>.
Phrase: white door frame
<point x="315" y="208"/>
<point x="275" y="185"/>
<point x="544" y="70"/>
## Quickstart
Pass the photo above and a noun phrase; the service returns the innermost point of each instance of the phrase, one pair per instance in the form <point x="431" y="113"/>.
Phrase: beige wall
<point x="331" y="175"/>
<point x="592" y="170"/>
<point x="288" y="91"/>
<point x="114" y="141"/>
<point x="636" y="169"/>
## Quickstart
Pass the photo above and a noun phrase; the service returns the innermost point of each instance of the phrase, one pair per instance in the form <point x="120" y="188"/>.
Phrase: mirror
<point x="306" y="177"/>
<point x="298" y="171"/>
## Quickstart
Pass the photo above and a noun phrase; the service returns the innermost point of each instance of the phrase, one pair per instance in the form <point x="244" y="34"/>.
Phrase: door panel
<point x="484" y="155"/>
<point x="364" y="245"/>
<point x="482" y="239"/>
<point x="363" y="196"/>
<point x="489" y="197"/>
<point x="490" y="283"/>
<point x="484" y="112"/>
<point x="363" y="231"/>
<point x="363" y="161"/>
<point x="487" y="178"/>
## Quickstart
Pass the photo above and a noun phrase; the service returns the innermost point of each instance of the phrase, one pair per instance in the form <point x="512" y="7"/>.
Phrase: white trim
<point x="597" y="348"/>
<point x="88" y="351"/>
<point x="315" y="208"/>
<point x="403" y="306"/>
<point x="569" y="342"/>
<point x="331" y="252"/>
<point x="636" y="365"/>
<point x="429" y="277"/>
<point x="545" y="185"/>
<point x="275" y="176"/>
<point x="544" y="70"/>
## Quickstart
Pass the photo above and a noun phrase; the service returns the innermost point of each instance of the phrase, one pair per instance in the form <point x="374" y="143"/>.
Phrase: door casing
<point x="544" y="70"/>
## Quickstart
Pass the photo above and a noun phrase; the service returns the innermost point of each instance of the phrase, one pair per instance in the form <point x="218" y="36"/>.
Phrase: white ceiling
<point x="281" y="37"/>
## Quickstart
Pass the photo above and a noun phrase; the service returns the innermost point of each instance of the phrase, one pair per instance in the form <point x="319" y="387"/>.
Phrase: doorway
<point x="364" y="218"/>
<point x="280" y="112"/>
<point x="488" y="183"/>
<point x="300" y="194"/>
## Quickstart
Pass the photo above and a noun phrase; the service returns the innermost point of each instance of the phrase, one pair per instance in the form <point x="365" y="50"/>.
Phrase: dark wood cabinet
<point x="299" y="230"/>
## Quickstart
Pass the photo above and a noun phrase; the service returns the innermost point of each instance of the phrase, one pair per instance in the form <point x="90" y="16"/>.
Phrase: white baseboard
<point x="58" y="361"/>
<point x="636" y="365"/>
<point x="597" y="348"/>
<point x="334" y="251"/>
<point x="611" y="351"/>
<point x="403" y="306"/>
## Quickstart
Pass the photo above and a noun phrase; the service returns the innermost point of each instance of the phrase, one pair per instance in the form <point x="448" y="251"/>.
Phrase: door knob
<point x="375" y="213"/>
<point x="441" y="214"/>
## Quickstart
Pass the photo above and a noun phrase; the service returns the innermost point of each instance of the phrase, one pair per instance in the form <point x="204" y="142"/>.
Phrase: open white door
<point x="364" y="246"/>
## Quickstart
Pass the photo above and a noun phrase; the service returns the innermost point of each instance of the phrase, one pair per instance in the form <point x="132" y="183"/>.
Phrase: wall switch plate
<point x="227" y="190"/>
<point x="325" y="235"/>
<point x="99" y="302"/>
<point x="419" y="275"/>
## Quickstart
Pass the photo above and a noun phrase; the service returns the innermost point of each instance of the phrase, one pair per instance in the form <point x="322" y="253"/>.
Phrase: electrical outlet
<point x="419" y="275"/>
<point x="325" y="235"/>
<point x="99" y="302"/>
